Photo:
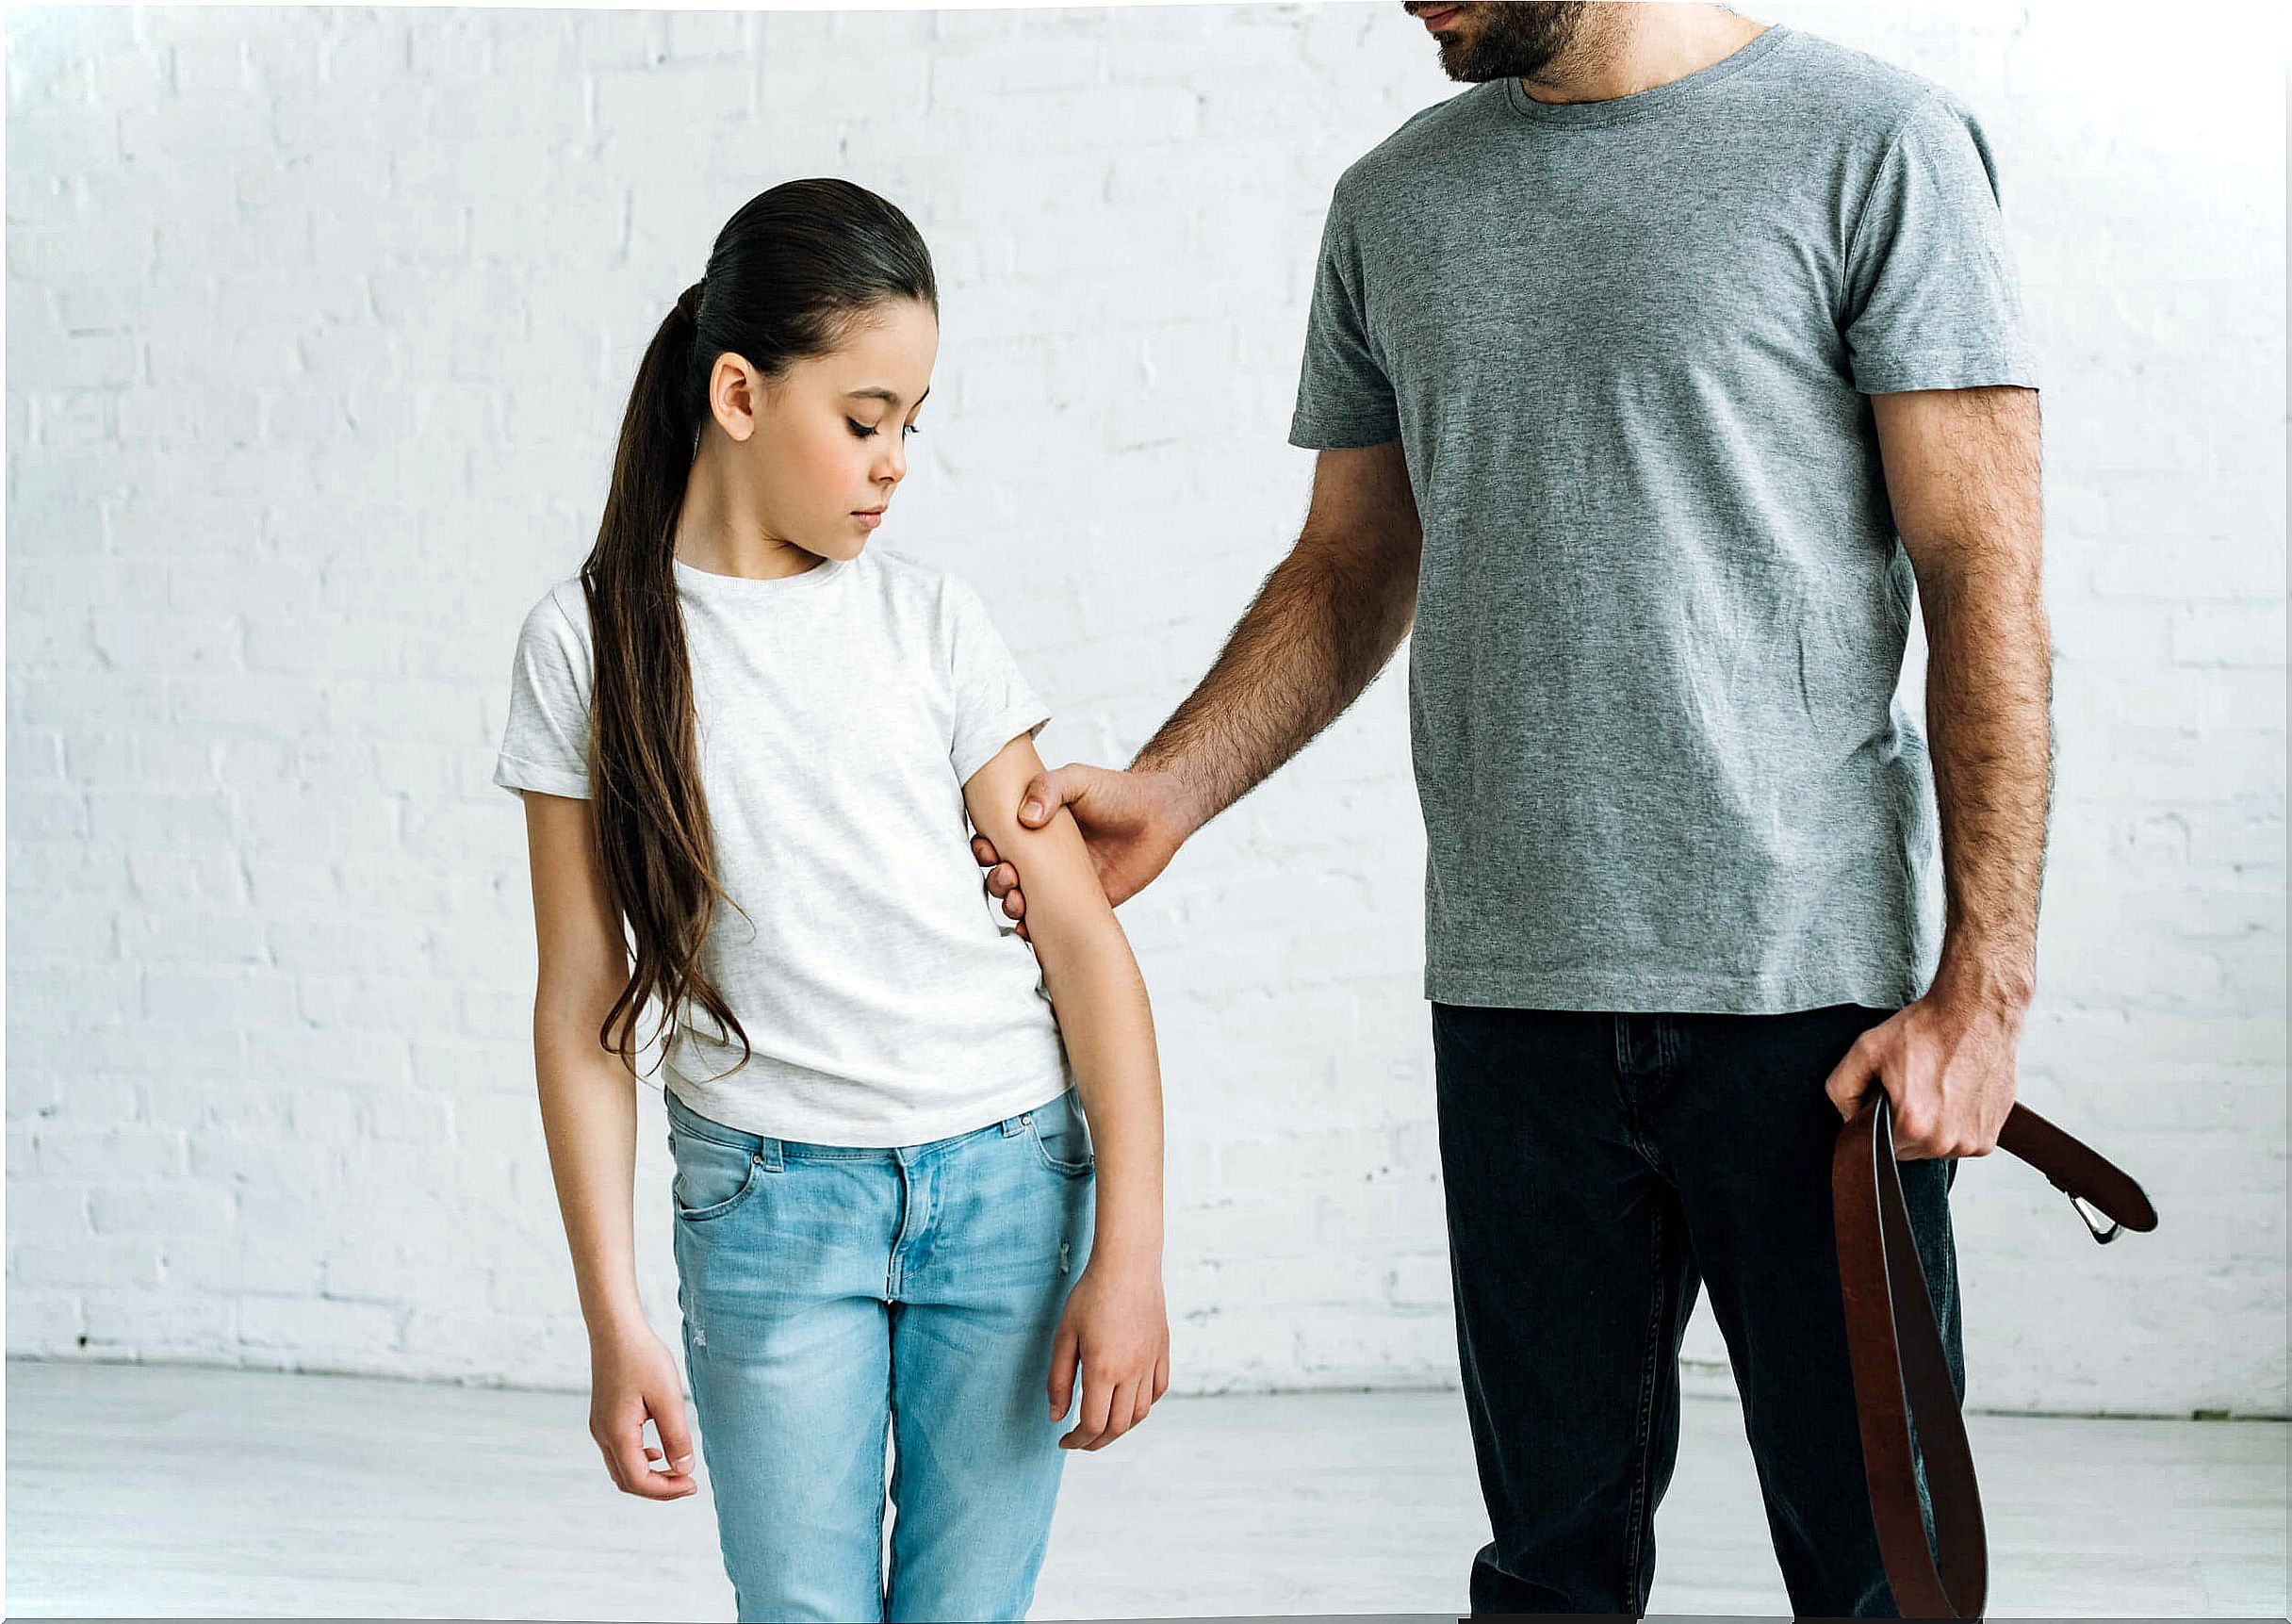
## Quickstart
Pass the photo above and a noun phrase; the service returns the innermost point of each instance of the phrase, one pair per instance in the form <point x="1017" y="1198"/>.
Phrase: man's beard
<point x="1513" y="40"/>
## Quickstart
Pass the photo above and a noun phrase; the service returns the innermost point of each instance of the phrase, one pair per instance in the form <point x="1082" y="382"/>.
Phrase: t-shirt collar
<point x="1655" y="99"/>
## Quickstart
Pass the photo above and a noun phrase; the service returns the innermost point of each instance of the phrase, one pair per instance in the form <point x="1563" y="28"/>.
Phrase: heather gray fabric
<point x="1625" y="346"/>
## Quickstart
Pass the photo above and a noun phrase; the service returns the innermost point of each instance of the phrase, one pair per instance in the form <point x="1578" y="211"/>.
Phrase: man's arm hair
<point x="1319" y="629"/>
<point x="1962" y="473"/>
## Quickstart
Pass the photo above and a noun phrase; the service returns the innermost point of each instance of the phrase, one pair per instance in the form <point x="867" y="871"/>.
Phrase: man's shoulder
<point x="1422" y="136"/>
<point x="1851" y="93"/>
<point x="1816" y="86"/>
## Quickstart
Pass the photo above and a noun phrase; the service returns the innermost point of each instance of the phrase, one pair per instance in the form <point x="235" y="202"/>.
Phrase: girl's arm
<point x="589" y="1119"/>
<point x="1115" y="1321"/>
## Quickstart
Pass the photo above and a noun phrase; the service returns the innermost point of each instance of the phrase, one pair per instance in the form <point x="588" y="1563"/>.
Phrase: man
<point x="1645" y="375"/>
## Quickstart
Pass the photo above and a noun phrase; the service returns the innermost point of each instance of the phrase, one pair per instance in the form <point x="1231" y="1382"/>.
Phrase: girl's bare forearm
<point x="589" y="1118"/>
<point x="1108" y="1025"/>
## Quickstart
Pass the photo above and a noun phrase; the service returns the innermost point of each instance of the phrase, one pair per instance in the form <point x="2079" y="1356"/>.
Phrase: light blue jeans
<point x="835" y="1297"/>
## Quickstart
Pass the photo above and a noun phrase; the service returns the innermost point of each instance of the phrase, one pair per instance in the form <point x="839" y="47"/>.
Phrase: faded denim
<point x="837" y="1299"/>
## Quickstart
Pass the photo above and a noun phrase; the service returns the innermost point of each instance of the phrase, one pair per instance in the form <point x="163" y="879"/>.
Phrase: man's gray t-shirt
<point x="1662" y="611"/>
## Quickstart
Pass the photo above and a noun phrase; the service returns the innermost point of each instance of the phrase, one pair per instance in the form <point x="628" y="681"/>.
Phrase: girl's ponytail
<point x="788" y="273"/>
<point x="649" y="822"/>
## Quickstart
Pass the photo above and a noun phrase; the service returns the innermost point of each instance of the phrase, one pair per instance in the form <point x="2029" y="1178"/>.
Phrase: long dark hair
<point x="789" y="275"/>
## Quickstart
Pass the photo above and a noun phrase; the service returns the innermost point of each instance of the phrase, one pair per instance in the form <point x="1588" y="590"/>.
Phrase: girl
<point x="746" y="745"/>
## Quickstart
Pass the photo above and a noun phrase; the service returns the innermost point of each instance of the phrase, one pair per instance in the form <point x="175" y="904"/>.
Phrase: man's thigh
<point x="1572" y="1286"/>
<point x="1747" y="1132"/>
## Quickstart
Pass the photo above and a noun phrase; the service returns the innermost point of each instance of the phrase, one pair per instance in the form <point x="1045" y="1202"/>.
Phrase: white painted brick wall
<point x="319" y="323"/>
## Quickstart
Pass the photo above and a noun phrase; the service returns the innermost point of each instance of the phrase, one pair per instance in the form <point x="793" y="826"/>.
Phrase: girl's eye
<point x="865" y="433"/>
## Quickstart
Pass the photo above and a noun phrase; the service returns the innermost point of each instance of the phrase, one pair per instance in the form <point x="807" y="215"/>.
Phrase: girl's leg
<point x="982" y="1284"/>
<point x="780" y="1262"/>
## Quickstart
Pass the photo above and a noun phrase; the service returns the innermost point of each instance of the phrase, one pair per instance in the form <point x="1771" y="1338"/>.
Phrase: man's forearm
<point x="1964" y="475"/>
<point x="1989" y="729"/>
<point x="1320" y="628"/>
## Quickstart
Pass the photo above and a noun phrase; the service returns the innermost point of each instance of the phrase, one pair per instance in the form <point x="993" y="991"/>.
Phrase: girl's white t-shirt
<point x="886" y="999"/>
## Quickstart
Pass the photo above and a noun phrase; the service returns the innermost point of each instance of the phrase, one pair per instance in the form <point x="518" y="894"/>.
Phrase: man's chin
<point x="1462" y="62"/>
<point x="1495" y="41"/>
<point x="1468" y="73"/>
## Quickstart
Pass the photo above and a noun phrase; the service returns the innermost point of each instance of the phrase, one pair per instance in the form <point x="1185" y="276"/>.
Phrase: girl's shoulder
<point x="555" y="631"/>
<point x="560" y="615"/>
<point x="901" y="573"/>
<point x="912" y="589"/>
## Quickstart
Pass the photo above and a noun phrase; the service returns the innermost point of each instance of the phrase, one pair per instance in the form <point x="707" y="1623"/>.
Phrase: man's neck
<point x="1623" y="49"/>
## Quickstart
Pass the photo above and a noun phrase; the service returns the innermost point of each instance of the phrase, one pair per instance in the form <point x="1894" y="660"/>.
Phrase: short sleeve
<point x="1343" y="396"/>
<point x="993" y="701"/>
<point x="1932" y="300"/>
<point x="545" y="744"/>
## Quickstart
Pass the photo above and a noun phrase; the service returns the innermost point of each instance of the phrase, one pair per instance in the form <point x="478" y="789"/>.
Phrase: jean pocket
<point x="1062" y="1136"/>
<point x="712" y="1178"/>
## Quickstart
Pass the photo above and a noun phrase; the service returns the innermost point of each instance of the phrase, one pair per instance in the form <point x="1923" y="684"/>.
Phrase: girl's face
<point x="825" y="445"/>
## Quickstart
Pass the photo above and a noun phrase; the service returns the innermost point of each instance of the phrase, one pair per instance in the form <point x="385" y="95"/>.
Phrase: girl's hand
<point x="632" y="1376"/>
<point x="1115" y="1327"/>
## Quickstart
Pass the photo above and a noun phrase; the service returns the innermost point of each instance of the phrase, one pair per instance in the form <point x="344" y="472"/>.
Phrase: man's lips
<point x="1437" y="19"/>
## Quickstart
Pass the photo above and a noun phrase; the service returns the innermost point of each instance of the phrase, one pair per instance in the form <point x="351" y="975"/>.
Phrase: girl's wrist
<point x="1126" y="1252"/>
<point x="616" y="1323"/>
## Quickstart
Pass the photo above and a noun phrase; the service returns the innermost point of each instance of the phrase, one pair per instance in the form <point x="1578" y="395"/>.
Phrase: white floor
<point x="160" y="1491"/>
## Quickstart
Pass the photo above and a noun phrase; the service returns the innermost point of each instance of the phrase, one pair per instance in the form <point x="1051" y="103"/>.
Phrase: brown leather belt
<point x="1899" y="1373"/>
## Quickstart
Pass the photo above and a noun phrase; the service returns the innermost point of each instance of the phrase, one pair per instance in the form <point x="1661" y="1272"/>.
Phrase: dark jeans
<point x="1600" y="1168"/>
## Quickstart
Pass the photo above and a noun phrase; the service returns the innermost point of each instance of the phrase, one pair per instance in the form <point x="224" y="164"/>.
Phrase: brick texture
<point x="319" y="324"/>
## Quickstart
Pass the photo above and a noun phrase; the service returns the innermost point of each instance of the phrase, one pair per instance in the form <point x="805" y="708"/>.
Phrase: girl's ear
<point x="736" y="394"/>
